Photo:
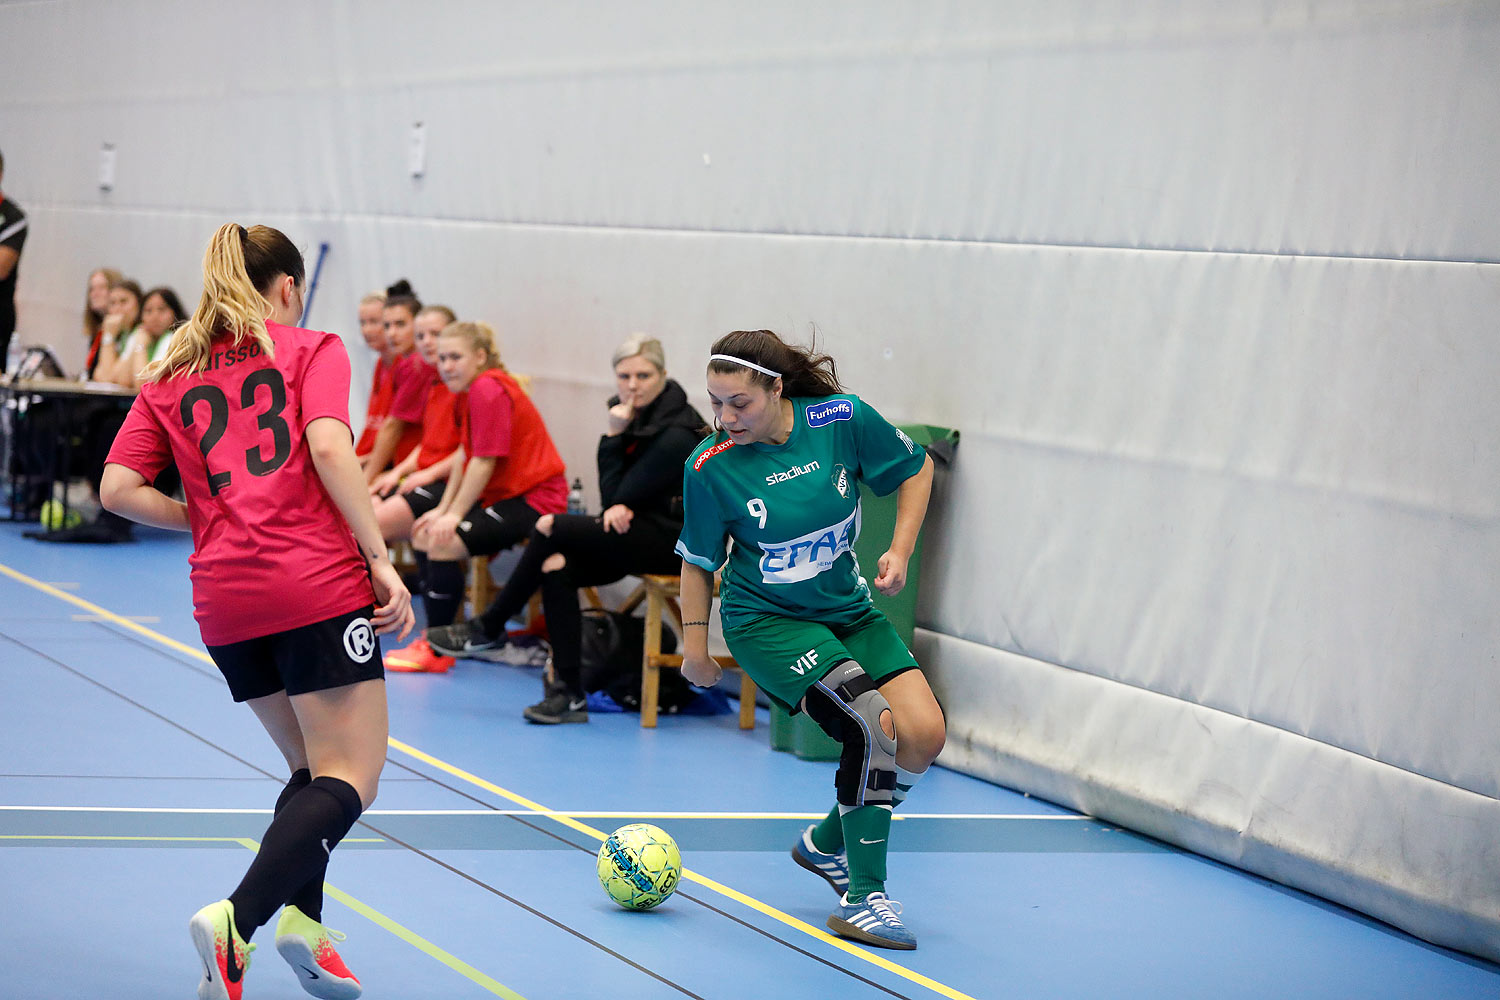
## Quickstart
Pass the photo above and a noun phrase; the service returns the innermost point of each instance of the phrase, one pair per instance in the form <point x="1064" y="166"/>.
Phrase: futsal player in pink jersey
<point x="291" y="580"/>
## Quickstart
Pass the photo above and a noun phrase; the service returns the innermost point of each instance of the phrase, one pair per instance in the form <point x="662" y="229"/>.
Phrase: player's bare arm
<point x="697" y="592"/>
<point x="911" y="508"/>
<point x="126" y="492"/>
<point x="332" y="454"/>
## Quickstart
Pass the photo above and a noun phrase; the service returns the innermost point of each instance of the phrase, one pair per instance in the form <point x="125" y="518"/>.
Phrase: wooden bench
<point x="661" y="596"/>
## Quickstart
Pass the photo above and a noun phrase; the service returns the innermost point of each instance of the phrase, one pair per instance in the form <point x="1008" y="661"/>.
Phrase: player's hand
<point x="385" y="483"/>
<point x="421" y="524"/>
<point x="444" y="528"/>
<point x="892" y="576"/>
<point x="617" y="519"/>
<point x="394" y="610"/>
<point x="700" y="669"/>
<point x="619" y="415"/>
<point x="408" y="484"/>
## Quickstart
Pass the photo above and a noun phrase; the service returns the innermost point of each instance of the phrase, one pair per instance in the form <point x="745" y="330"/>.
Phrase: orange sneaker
<point x="418" y="658"/>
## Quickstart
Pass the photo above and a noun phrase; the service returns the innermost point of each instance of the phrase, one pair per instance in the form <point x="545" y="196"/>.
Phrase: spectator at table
<point x="161" y="312"/>
<point x="96" y="304"/>
<point x="120" y="322"/>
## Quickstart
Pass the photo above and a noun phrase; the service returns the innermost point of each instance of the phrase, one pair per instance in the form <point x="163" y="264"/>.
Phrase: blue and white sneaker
<point x="875" y="921"/>
<point x="834" y="868"/>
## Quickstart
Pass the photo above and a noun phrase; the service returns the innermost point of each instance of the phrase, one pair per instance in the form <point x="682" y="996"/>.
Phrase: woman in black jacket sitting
<point x="652" y="430"/>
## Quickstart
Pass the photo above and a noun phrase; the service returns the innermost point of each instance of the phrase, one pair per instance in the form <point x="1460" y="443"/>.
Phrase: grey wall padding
<point x="1211" y="290"/>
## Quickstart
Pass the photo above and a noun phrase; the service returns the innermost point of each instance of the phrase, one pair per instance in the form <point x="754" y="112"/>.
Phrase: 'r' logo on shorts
<point x="806" y="661"/>
<point x="359" y="640"/>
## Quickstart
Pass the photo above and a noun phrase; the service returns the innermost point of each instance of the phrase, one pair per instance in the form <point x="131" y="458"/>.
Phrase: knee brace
<point x="848" y="706"/>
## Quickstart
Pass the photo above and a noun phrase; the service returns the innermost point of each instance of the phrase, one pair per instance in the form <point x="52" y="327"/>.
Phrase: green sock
<point x="866" y="832"/>
<point x="828" y="836"/>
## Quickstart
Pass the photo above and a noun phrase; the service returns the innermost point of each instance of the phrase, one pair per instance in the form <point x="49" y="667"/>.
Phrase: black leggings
<point x="594" y="557"/>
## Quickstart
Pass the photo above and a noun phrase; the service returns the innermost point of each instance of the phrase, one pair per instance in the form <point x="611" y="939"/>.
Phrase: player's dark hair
<point x="401" y="294"/>
<point x="239" y="268"/>
<point x="170" y="300"/>
<point x="804" y="371"/>
<point x="134" y="289"/>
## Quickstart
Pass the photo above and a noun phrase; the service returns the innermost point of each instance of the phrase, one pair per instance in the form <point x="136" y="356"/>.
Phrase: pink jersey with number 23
<point x="270" y="549"/>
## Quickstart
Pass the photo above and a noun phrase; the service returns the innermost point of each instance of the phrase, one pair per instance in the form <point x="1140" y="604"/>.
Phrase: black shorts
<point x="424" y="498"/>
<point x="328" y="654"/>
<point x="488" y="530"/>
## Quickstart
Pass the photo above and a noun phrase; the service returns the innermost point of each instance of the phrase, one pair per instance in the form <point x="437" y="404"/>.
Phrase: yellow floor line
<point x="412" y="938"/>
<point x="560" y="817"/>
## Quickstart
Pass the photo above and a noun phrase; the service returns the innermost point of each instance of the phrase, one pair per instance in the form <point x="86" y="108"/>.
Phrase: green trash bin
<point x="797" y="733"/>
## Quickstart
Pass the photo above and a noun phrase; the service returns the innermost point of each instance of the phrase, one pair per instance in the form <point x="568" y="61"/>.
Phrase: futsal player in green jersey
<point x="780" y="480"/>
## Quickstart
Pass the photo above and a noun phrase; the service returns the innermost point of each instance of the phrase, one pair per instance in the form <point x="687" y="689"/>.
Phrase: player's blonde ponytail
<point x="239" y="267"/>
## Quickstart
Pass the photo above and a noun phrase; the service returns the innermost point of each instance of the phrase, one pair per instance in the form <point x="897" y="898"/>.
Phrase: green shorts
<point x="786" y="656"/>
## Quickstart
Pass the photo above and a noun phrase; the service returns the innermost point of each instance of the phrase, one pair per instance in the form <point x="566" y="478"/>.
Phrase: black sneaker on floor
<point x="557" y="708"/>
<point x="463" y="641"/>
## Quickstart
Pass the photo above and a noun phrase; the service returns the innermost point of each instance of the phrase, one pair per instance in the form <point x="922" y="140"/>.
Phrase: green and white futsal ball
<point x="52" y="516"/>
<point x="639" y="866"/>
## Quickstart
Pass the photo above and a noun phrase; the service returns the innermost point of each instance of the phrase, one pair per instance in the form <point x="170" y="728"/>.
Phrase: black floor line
<point x="532" y="910"/>
<point x="170" y="655"/>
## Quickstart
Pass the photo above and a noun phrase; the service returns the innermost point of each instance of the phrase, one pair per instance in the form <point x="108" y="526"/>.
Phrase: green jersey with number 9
<point x="792" y="510"/>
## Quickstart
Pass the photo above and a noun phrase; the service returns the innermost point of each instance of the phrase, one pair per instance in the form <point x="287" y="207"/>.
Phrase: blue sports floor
<point x="132" y="791"/>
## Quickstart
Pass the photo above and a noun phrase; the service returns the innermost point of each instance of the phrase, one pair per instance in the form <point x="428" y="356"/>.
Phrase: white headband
<point x="747" y="364"/>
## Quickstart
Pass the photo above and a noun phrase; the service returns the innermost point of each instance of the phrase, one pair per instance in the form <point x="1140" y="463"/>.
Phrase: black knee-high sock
<point x="309" y="898"/>
<point x="444" y="591"/>
<point x="294" y="848"/>
<point x="420" y="558"/>
<point x="564" y="629"/>
<point x="518" y="589"/>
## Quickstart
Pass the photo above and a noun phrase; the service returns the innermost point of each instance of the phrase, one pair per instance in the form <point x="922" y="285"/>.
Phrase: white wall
<point x="1209" y="288"/>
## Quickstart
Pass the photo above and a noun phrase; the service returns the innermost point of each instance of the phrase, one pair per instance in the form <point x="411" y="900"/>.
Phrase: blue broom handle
<point x="312" y="286"/>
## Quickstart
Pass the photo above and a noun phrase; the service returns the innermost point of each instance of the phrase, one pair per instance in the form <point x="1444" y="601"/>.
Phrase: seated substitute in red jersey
<point x="505" y="474"/>
<point x="414" y="486"/>
<point x="372" y="329"/>
<point x="409" y="381"/>
<point x="291" y="580"/>
<point x="651" y="430"/>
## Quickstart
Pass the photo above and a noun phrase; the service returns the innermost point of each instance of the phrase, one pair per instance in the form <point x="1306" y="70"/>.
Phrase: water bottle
<point x="575" y="497"/>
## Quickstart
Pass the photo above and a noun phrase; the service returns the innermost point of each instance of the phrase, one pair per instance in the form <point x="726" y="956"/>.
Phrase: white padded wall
<point x="1208" y="287"/>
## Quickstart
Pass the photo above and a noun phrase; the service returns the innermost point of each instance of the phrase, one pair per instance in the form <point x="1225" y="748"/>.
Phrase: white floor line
<point x="582" y="814"/>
